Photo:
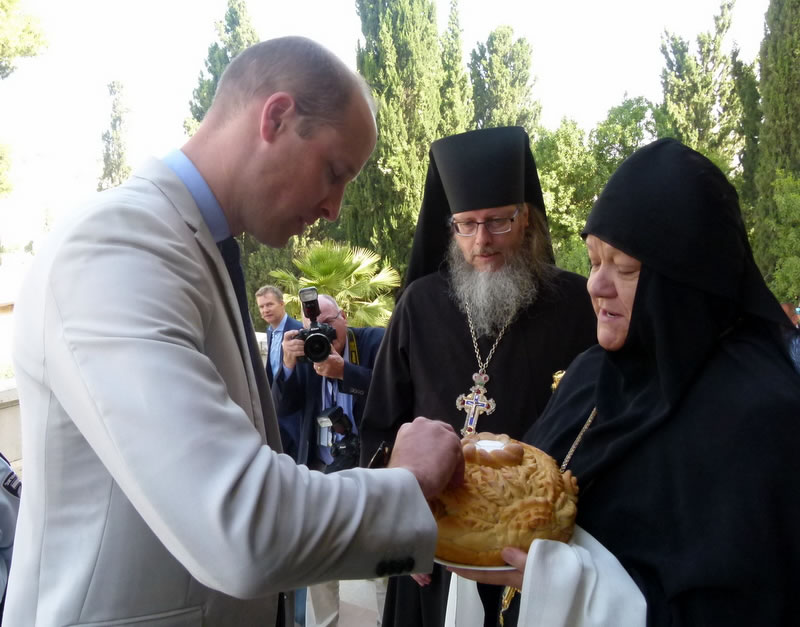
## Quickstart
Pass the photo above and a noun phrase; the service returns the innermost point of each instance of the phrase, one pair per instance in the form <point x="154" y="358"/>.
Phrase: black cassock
<point x="427" y="360"/>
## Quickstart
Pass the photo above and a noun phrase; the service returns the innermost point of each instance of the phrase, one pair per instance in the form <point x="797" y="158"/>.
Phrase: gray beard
<point x="492" y="298"/>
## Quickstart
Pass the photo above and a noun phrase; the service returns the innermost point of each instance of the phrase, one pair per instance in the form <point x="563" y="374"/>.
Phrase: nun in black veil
<point x="689" y="467"/>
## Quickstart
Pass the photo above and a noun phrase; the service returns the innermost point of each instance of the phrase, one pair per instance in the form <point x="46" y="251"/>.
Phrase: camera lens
<point x="317" y="347"/>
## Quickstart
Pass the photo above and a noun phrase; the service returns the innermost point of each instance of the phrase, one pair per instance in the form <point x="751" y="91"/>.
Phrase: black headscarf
<point x="694" y="411"/>
<point x="491" y="167"/>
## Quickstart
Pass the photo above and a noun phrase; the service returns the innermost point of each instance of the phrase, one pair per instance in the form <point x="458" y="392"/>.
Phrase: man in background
<point x="329" y="391"/>
<point x="484" y="322"/>
<point x="269" y="299"/>
<point x="272" y="309"/>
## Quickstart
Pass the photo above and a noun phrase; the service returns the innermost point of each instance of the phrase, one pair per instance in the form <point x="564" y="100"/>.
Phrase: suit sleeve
<point x="127" y="310"/>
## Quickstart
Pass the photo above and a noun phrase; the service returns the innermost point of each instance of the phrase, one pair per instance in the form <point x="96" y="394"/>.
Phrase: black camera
<point x="345" y="450"/>
<point x="317" y="337"/>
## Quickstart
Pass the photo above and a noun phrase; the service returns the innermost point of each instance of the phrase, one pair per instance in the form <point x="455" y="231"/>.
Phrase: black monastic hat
<point x="490" y="167"/>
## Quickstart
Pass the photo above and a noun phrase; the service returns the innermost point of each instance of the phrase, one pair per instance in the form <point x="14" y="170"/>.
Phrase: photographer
<point x="329" y="394"/>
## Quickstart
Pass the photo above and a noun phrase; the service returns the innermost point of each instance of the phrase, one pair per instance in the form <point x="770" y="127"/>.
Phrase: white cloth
<point x="579" y="584"/>
<point x="150" y="488"/>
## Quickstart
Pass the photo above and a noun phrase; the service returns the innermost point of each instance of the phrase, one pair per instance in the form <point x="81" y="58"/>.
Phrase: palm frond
<point x="353" y="276"/>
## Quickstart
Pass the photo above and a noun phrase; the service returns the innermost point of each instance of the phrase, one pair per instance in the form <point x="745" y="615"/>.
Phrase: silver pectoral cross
<point x="475" y="403"/>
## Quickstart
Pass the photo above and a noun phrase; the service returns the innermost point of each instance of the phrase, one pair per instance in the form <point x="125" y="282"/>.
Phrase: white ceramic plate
<point x="468" y="567"/>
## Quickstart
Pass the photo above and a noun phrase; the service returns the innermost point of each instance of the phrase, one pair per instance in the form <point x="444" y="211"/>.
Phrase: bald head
<point x="289" y="128"/>
<point x="321" y="85"/>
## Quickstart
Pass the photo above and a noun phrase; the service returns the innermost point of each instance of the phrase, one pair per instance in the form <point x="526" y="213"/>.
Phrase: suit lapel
<point x="164" y="178"/>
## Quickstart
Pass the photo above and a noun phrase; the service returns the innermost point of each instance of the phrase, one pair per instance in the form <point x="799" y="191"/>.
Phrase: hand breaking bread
<point x="512" y="494"/>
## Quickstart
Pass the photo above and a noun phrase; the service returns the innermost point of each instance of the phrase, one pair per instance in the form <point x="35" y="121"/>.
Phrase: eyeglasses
<point x="329" y="320"/>
<point x="495" y="226"/>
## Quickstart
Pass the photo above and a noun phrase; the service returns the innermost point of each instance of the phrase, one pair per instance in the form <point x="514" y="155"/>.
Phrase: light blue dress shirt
<point x="275" y="347"/>
<point x="203" y="197"/>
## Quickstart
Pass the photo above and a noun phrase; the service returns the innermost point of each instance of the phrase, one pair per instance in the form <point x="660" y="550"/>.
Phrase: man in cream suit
<point x="155" y="493"/>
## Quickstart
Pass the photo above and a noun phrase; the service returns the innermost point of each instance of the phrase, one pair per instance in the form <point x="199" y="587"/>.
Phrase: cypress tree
<point x="456" y="107"/>
<point x="746" y="84"/>
<point x="779" y="140"/>
<point x="502" y="83"/>
<point x="235" y="33"/>
<point x="115" y="167"/>
<point x="700" y="98"/>
<point x="401" y="62"/>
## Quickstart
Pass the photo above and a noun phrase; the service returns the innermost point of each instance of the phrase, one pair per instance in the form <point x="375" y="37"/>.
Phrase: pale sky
<point x="53" y="110"/>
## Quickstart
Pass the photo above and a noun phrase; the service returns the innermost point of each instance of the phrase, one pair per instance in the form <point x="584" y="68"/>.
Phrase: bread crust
<point x="510" y="496"/>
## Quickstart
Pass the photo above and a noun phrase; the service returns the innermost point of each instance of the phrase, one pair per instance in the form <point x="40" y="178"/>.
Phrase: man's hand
<point x="332" y="367"/>
<point x="292" y="348"/>
<point x="432" y="451"/>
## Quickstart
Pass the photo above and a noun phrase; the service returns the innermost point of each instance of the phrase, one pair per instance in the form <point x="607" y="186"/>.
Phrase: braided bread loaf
<point x="512" y="493"/>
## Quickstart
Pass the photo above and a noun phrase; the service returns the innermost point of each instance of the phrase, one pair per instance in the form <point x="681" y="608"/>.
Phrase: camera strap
<point x="352" y="356"/>
<point x="351" y="340"/>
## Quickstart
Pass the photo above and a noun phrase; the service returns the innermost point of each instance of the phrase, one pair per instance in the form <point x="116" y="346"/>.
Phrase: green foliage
<point x="234" y="33"/>
<point x="259" y="260"/>
<point x="628" y="126"/>
<point x="5" y="166"/>
<point x="20" y="36"/>
<point x="501" y="82"/>
<point x="456" y="108"/>
<point x="573" y="169"/>
<point x="115" y="167"/>
<point x="779" y="138"/>
<point x="571" y="255"/>
<point x="353" y="276"/>
<point x="380" y="207"/>
<point x="746" y="83"/>
<point x="6" y="371"/>
<point x="700" y="98"/>
<point x="567" y="174"/>
<point x="785" y="227"/>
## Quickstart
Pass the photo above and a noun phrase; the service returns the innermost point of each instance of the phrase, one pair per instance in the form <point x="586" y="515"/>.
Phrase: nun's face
<point x="498" y="234"/>
<point x="612" y="287"/>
